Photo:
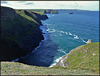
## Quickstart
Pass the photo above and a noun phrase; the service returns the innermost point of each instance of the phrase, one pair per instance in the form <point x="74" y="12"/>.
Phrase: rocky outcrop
<point x="20" y="33"/>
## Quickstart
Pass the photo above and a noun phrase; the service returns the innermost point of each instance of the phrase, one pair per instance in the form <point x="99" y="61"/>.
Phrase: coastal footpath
<point x="20" y="32"/>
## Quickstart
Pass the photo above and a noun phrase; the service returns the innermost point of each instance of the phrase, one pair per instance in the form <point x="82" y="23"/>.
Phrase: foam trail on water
<point x="62" y="31"/>
<point x="76" y="37"/>
<point x="62" y="51"/>
<point x="43" y="28"/>
<point x="58" y="59"/>
<point x="66" y="33"/>
<point x="51" y="30"/>
<point x="55" y="62"/>
<point x="83" y="40"/>
<point x="70" y="33"/>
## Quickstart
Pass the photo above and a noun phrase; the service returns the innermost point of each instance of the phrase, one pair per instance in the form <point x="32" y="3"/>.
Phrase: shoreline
<point x="18" y="59"/>
<point x="42" y="55"/>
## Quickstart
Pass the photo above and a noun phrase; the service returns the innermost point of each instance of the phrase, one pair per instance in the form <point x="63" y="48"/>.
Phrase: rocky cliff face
<point x="7" y="13"/>
<point x="20" y="33"/>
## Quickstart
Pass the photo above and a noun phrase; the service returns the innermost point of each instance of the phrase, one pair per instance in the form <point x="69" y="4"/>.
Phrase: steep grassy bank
<point x="14" y="68"/>
<point x="83" y="60"/>
<point x="20" y="32"/>
<point x="82" y="57"/>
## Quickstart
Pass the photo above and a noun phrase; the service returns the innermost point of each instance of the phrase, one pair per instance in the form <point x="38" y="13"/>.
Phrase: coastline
<point x="43" y="31"/>
<point x="42" y="55"/>
<point x="20" y="33"/>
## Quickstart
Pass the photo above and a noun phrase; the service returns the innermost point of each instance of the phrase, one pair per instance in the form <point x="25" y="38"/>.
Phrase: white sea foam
<point x="43" y="28"/>
<point x="61" y="50"/>
<point x="83" y="40"/>
<point x="58" y="59"/>
<point x="51" y="30"/>
<point x="52" y="64"/>
<point x="70" y="33"/>
<point x="76" y="37"/>
<point x="55" y="62"/>
<point x="66" y="33"/>
<point x="62" y="31"/>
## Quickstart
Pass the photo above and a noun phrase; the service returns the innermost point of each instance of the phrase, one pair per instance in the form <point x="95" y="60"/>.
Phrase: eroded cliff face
<point x="20" y="33"/>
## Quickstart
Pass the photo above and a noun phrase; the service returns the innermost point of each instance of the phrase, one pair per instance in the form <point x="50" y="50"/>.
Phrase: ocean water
<point x="64" y="32"/>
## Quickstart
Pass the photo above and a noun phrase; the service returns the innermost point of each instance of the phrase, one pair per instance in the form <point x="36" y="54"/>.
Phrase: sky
<point x="82" y="5"/>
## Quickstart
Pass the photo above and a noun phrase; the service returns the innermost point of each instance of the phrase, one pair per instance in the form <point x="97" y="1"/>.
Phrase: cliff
<point x="20" y="32"/>
<point x="82" y="57"/>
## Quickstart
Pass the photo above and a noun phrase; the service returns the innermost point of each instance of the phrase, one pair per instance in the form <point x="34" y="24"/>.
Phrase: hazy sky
<point x="83" y="5"/>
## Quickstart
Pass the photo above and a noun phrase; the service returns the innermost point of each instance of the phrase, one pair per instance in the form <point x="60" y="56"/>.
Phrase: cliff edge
<point x="20" y="32"/>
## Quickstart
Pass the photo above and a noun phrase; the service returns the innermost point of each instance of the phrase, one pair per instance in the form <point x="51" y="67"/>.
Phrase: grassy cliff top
<point x="83" y="57"/>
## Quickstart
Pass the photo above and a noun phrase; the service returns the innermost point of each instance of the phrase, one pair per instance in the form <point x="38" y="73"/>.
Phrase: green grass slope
<point x="15" y="68"/>
<point x="83" y="60"/>
<point x="84" y="57"/>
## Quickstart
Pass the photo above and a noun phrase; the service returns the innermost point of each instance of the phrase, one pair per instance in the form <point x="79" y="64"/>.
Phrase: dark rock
<point x="7" y="13"/>
<point x="41" y="17"/>
<point x="19" y="36"/>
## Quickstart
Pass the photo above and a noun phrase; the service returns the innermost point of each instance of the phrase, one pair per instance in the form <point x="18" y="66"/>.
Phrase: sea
<point x="63" y="32"/>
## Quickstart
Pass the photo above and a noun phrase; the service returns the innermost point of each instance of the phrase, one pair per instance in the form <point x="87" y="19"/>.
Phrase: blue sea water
<point x="69" y="31"/>
<point x="64" y="32"/>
